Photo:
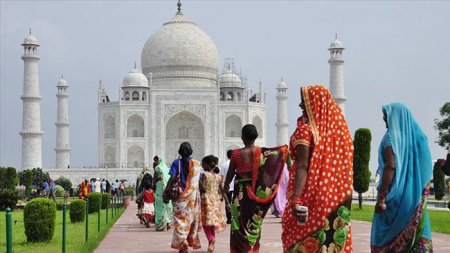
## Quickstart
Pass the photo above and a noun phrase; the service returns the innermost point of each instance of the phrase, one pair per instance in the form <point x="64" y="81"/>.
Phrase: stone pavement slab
<point x="127" y="235"/>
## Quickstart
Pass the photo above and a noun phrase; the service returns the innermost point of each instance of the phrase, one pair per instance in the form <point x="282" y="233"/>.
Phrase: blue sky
<point x="395" y="51"/>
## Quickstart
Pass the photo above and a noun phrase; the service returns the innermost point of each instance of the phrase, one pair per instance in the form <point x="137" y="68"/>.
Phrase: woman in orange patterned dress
<point x="210" y="186"/>
<point x="317" y="215"/>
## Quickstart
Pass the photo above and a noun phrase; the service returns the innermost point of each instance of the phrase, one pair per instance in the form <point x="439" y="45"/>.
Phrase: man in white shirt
<point x="223" y="172"/>
<point x="97" y="185"/>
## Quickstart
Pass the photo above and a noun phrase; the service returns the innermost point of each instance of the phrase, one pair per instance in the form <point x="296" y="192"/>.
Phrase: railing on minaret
<point x="31" y="115"/>
<point x="336" y="62"/>
<point x="282" y="116"/>
<point x="62" y="126"/>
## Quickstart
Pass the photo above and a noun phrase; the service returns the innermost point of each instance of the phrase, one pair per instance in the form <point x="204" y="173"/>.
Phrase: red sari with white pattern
<point x="329" y="184"/>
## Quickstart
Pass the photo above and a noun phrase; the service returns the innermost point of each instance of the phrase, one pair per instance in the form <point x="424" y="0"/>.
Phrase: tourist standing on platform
<point x="52" y="189"/>
<point x="46" y="189"/>
<point x="317" y="215"/>
<point x="163" y="211"/>
<point x="187" y="205"/>
<point x="210" y="186"/>
<point x="103" y="185"/>
<point x="97" y="184"/>
<point x="223" y="172"/>
<point x="114" y="186"/>
<point x="85" y="188"/>
<point x="400" y="222"/>
<point x="252" y="197"/>
<point x="92" y="185"/>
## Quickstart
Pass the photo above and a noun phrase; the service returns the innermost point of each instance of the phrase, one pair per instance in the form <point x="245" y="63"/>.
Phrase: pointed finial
<point x="335" y="36"/>
<point x="29" y="31"/>
<point x="135" y="64"/>
<point x="62" y="76"/>
<point x="179" y="5"/>
<point x="281" y="79"/>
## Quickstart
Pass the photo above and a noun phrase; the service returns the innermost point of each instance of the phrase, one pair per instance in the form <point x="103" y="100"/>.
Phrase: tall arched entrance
<point x="185" y="126"/>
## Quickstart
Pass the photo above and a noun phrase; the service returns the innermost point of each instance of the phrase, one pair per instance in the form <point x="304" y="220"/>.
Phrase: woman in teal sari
<point x="400" y="222"/>
<point x="163" y="211"/>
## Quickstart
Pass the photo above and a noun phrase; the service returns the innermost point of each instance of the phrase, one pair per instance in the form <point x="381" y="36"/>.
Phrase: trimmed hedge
<point x="64" y="182"/>
<point x="94" y="199"/>
<point x="8" y="198"/>
<point x="77" y="210"/>
<point x="8" y="178"/>
<point x="105" y="199"/>
<point x="39" y="219"/>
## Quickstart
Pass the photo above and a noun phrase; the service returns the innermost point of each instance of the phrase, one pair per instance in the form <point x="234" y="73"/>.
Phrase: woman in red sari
<point x="317" y="215"/>
<point x="255" y="189"/>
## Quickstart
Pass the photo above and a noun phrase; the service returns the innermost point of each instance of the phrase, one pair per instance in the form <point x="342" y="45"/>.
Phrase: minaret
<point x="62" y="126"/>
<point x="31" y="115"/>
<point x="282" y="116"/>
<point x="337" y="73"/>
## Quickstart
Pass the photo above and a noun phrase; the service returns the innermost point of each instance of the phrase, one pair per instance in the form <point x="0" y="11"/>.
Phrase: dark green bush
<point x="105" y="200"/>
<point x="39" y="219"/>
<point x="8" y="198"/>
<point x="77" y="210"/>
<point x="8" y="178"/>
<point x="64" y="182"/>
<point x="128" y="191"/>
<point x="439" y="182"/>
<point x="95" y="199"/>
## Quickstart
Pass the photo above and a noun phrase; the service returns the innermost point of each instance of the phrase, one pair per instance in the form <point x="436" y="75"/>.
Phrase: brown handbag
<point x="173" y="189"/>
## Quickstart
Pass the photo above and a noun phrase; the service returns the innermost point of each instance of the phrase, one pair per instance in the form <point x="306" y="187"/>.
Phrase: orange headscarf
<point x="329" y="182"/>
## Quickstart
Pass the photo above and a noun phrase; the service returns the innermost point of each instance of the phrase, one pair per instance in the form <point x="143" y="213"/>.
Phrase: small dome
<point x="336" y="44"/>
<point x="282" y="85"/>
<point x="62" y="83"/>
<point x="30" y="40"/>
<point x="135" y="78"/>
<point x="229" y="79"/>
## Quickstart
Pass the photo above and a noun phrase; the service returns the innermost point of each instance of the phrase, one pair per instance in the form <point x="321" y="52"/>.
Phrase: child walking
<point x="148" y="209"/>
<point x="210" y="186"/>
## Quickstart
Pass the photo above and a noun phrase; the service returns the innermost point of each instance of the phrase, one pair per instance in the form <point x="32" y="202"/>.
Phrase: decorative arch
<point x="135" y="126"/>
<point x="185" y="126"/>
<point x="110" y="156"/>
<point x="258" y="124"/>
<point x="127" y="95"/>
<point x="222" y="96"/>
<point x="144" y="96"/>
<point x="239" y="97"/>
<point x="110" y="127"/>
<point x="233" y="125"/>
<point x="135" y="95"/>
<point x="135" y="157"/>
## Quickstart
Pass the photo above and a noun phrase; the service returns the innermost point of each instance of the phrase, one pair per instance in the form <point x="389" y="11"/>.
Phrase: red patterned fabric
<point x="243" y="169"/>
<point x="329" y="183"/>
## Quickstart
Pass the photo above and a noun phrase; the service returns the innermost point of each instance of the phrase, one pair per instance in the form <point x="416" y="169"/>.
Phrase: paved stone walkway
<point x="127" y="235"/>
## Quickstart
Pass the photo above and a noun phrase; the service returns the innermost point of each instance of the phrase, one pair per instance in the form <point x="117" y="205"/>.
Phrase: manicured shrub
<point x="361" y="159"/>
<point x="39" y="219"/>
<point x="128" y="191"/>
<point x="77" y="210"/>
<point x="105" y="199"/>
<point x="8" y="178"/>
<point x="60" y="192"/>
<point x="439" y="182"/>
<point x="8" y="198"/>
<point x="95" y="199"/>
<point x="64" y="182"/>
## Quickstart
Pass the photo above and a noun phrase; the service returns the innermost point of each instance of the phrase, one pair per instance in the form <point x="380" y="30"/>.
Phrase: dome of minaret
<point x="135" y="78"/>
<point x="282" y="85"/>
<point x="30" y="40"/>
<point x="336" y="43"/>
<point x="229" y="79"/>
<point x="62" y="83"/>
<point x="180" y="49"/>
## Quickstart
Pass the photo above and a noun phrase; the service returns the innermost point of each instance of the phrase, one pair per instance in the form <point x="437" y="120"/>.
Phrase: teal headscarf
<point x="413" y="171"/>
<point x="164" y="170"/>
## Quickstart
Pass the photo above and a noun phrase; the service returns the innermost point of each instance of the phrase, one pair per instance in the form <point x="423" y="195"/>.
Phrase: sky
<point x="395" y="51"/>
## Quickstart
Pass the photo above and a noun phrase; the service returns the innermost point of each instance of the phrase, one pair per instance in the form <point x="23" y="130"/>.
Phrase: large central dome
<point x="180" y="49"/>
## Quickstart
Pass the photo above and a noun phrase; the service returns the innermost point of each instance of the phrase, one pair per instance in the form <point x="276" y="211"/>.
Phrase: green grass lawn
<point x="75" y="240"/>
<point x="440" y="220"/>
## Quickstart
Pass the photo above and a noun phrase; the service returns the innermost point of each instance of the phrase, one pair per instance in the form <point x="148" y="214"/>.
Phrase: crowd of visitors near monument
<point x="309" y="184"/>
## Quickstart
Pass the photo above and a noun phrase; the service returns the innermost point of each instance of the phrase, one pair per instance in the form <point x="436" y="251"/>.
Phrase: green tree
<point x="439" y="182"/>
<point x="443" y="126"/>
<point x="8" y="178"/>
<point x="361" y="158"/>
<point x="38" y="177"/>
<point x="64" y="182"/>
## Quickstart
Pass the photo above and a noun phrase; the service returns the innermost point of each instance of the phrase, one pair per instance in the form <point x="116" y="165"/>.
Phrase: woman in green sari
<point x="163" y="211"/>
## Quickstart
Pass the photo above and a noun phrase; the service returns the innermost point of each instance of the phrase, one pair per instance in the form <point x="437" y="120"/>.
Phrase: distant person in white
<point x="223" y="172"/>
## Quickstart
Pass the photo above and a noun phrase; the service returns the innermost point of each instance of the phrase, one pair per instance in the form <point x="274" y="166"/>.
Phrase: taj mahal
<point x="179" y="94"/>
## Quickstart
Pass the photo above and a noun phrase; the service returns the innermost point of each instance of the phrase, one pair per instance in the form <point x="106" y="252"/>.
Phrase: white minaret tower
<point x="62" y="126"/>
<point x="31" y="115"/>
<point x="337" y="73"/>
<point x="282" y="116"/>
